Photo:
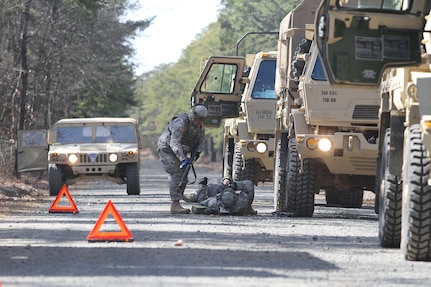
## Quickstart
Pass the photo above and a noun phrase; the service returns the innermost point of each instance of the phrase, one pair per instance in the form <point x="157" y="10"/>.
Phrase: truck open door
<point x="219" y="88"/>
<point x="358" y="39"/>
<point x="32" y="150"/>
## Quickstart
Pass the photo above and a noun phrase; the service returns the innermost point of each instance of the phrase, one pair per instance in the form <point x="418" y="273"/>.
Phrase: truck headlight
<point x="113" y="157"/>
<point x="251" y="146"/>
<point x="324" y="144"/>
<point x="261" y="147"/>
<point x="73" y="158"/>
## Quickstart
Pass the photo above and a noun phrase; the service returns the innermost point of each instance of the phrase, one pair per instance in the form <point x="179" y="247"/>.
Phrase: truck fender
<point x="242" y="130"/>
<point x="397" y="144"/>
<point x="298" y="122"/>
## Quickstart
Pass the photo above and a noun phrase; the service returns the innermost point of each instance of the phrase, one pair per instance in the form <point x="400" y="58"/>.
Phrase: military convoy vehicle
<point x="386" y="44"/>
<point x="326" y="136"/>
<point x="241" y="91"/>
<point x="84" y="149"/>
<point x="249" y="139"/>
<point x="94" y="148"/>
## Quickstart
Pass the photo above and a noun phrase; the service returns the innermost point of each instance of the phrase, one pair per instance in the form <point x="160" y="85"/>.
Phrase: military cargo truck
<point x="326" y="136"/>
<point x="249" y="139"/>
<point x="245" y="99"/>
<point x="385" y="44"/>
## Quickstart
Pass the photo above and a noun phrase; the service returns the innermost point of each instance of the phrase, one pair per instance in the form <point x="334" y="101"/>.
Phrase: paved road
<point x="337" y="247"/>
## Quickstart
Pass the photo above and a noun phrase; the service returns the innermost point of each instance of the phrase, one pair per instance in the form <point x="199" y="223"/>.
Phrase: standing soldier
<point x="183" y="134"/>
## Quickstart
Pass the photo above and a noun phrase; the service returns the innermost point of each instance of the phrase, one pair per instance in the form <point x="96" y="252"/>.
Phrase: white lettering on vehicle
<point x="264" y="114"/>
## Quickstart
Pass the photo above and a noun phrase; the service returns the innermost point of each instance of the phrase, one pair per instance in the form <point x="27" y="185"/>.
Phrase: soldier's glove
<point x="234" y="186"/>
<point x="197" y="156"/>
<point x="185" y="162"/>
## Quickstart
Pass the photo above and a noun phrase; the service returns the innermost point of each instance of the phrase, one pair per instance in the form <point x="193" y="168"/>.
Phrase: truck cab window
<point x="265" y="80"/>
<point x="397" y="5"/>
<point x="318" y="73"/>
<point x="220" y="79"/>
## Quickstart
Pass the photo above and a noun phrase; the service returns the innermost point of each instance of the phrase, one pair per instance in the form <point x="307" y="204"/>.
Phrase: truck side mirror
<point x="322" y="27"/>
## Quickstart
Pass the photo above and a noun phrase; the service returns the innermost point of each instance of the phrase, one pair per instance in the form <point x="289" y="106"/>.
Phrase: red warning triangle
<point x="71" y="208"/>
<point x="97" y="235"/>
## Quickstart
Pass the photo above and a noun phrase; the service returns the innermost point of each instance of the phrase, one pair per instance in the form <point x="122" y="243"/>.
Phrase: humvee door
<point x="32" y="150"/>
<point x="358" y="39"/>
<point x="219" y="88"/>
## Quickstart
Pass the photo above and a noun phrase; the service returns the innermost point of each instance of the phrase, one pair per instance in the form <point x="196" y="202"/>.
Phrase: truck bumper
<point x="250" y="149"/>
<point x="349" y="153"/>
<point x="90" y="170"/>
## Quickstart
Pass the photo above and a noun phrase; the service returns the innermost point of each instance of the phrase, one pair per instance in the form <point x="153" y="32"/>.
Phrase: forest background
<point x="70" y="58"/>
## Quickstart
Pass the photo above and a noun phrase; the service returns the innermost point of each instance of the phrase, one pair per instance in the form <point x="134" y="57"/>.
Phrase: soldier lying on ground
<point x="223" y="197"/>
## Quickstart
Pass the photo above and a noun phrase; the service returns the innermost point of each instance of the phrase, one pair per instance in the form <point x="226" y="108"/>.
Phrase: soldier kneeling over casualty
<point x="225" y="197"/>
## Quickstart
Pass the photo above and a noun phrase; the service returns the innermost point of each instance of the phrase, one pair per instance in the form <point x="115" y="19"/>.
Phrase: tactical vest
<point x="190" y="134"/>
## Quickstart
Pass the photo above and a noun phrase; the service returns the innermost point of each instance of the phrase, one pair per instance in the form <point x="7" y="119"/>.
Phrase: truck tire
<point x="280" y="174"/>
<point x="333" y="196"/>
<point x="237" y="165"/>
<point x="228" y="158"/>
<point x="379" y="173"/>
<point x="55" y="180"/>
<point x="243" y="169"/>
<point x="132" y="177"/>
<point x="249" y="170"/>
<point x="300" y="185"/>
<point x="353" y="198"/>
<point x="416" y="209"/>
<point x="390" y="200"/>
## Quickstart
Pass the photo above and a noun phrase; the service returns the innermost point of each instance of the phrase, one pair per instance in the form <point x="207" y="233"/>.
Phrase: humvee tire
<point x="132" y="177"/>
<point x="55" y="180"/>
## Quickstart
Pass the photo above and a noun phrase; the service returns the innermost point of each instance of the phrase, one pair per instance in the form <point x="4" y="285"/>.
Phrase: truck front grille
<point x="93" y="158"/>
<point x="363" y="164"/>
<point x="366" y="112"/>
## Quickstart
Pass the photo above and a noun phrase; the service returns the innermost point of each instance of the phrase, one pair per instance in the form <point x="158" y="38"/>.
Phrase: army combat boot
<point x="190" y="197"/>
<point x="176" y="208"/>
<point x="251" y="211"/>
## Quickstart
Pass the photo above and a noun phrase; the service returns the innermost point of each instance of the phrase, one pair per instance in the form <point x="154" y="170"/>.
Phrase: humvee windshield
<point x="102" y="134"/>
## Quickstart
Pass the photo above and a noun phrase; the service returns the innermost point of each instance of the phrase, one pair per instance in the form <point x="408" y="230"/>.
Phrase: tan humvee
<point x="94" y="148"/>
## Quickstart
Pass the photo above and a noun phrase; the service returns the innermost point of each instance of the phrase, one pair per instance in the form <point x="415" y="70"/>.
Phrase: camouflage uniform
<point x="211" y="196"/>
<point x="174" y="146"/>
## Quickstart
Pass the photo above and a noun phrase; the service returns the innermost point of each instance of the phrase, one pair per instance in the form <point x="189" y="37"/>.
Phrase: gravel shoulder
<point x="21" y="195"/>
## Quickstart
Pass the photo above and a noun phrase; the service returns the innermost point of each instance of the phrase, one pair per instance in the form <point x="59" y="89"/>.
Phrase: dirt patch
<point x="23" y="194"/>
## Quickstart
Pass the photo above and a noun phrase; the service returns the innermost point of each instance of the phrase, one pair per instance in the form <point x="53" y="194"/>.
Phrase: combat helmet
<point x="198" y="112"/>
<point x="227" y="198"/>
